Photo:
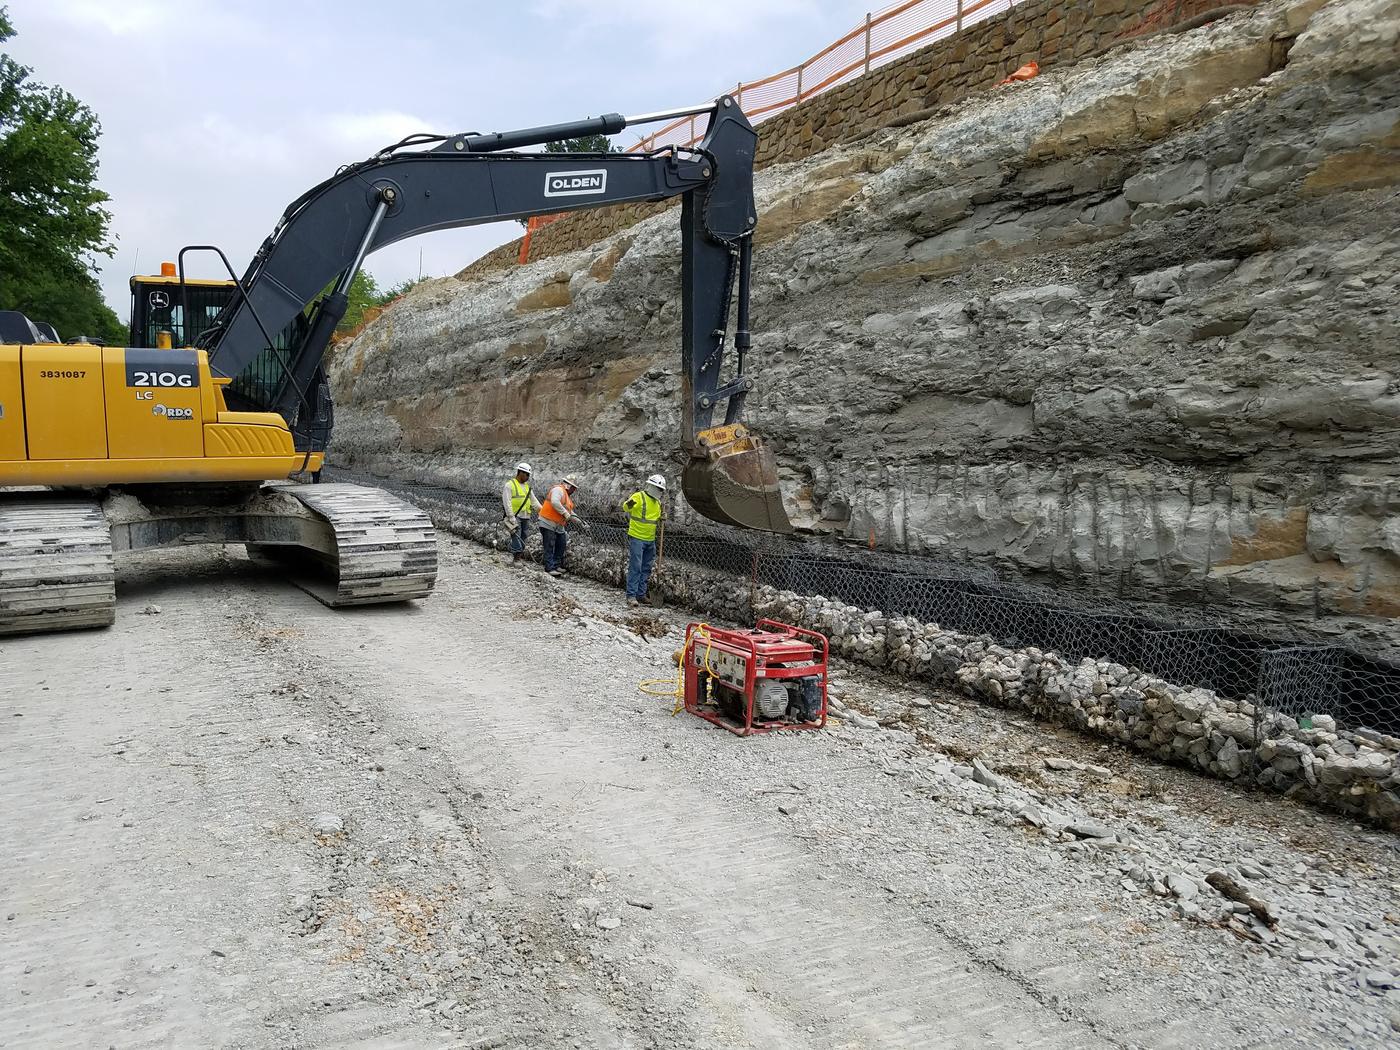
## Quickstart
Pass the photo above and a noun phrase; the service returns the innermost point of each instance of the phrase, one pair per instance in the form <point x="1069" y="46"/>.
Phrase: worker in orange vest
<point x="555" y="515"/>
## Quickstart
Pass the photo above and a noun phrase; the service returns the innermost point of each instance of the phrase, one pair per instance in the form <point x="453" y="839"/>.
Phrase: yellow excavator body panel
<point x="89" y="415"/>
<point x="12" y="444"/>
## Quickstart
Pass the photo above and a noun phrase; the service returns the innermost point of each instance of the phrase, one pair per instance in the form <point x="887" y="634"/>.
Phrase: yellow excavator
<point x="203" y="429"/>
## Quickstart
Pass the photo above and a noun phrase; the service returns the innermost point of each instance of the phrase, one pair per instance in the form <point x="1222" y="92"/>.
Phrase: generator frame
<point x="770" y="651"/>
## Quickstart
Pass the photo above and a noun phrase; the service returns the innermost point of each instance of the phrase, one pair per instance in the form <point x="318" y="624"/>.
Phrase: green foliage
<point x="72" y="302"/>
<point x="585" y="144"/>
<point x="53" y="223"/>
<point x="364" y="294"/>
<point x="402" y="288"/>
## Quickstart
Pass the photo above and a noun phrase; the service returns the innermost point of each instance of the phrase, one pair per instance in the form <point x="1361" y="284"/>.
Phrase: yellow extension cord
<point x="676" y="689"/>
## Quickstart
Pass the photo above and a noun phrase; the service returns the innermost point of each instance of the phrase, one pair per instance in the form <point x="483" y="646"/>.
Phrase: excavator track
<point x="56" y="570"/>
<point x="382" y="549"/>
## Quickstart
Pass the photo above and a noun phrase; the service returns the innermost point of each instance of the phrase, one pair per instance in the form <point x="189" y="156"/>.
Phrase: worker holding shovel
<point x="520" y="504"/>
<point x="643" y="510"/>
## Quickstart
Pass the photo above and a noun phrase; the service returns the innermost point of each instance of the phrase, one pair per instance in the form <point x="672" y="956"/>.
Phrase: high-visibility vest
<point x="642" y="526"/>
<point x="549" y="513"/>
<point x="519" y="496"/>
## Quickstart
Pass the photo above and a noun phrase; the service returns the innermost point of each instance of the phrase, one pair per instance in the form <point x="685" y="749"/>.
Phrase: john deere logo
<point x="574" y="183"/>
<point x="159" y="300"/>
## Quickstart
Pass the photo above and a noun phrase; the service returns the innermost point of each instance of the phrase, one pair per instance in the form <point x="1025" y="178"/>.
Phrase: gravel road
<point x="240" y="819"/>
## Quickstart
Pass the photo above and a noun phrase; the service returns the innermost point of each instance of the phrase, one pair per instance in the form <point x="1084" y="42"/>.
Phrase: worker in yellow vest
<point x="555" y="515"/>
<point x="520" y="505"/>
<point x="643" y="510"/>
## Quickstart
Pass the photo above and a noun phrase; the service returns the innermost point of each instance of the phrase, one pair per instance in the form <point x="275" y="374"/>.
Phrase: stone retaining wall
<point x="1048" y="32"/>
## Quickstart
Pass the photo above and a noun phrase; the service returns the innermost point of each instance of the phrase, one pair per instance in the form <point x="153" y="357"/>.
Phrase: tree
<point x="364" y="294"/>
<point x="53" y="223"/>
<point x="584" y="144"/>
<point x="402" y="288"/>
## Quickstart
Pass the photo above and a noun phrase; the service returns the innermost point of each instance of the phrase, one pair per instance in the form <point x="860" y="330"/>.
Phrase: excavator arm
<point x="324" y="236"/>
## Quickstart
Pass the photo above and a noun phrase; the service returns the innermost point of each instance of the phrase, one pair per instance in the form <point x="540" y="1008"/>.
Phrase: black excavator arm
<point x="325" y="235"/>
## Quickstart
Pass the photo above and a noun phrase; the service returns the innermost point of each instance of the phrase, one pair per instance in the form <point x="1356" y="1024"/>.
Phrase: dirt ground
<point x="240" y="819"/>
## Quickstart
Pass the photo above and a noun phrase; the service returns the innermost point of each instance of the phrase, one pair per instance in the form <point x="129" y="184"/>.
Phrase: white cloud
<point x="702" y="34"/>
<point x="360" y="134"/>
<point x="159" y="20"/>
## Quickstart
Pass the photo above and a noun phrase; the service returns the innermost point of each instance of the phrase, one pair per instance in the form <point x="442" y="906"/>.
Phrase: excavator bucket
<point x="733" y="479"/>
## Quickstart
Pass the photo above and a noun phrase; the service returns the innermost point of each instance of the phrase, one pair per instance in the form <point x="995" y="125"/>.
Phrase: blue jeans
<point x="554" y="544"/>
<point x="519" y="536"/>
<point x="640" y="555"/>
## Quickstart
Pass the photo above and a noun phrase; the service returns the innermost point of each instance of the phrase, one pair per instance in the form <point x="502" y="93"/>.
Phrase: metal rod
<point x="670" y="114"/>
<point x="238" y="282"/>
<point x="867" y="41"/>
<point x="348" y="277"/>
<point x="960" y="15"/>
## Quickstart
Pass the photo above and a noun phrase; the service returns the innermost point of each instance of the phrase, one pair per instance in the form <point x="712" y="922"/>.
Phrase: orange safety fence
<point x="531" y="225"/>
<point x="883" y="37"/>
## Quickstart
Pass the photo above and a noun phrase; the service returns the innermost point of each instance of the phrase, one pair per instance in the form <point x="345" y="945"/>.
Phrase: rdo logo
<point x="172" y="413"/>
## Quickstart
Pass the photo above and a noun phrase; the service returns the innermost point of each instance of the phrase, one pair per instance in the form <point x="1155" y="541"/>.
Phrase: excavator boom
<point x="325" y="235"/>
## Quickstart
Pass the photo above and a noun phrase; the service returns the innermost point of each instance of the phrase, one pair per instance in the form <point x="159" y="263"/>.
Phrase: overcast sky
<point x="216" y="115"/>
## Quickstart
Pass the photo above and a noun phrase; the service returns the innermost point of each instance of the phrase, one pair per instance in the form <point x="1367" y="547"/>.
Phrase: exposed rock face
<point x="1132" y="324"/>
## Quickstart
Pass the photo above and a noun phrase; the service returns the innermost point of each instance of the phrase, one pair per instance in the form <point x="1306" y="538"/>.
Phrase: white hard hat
<point x="658" y="481"/>
<point x="522" y="465"/>
<point x="571" y="480"/>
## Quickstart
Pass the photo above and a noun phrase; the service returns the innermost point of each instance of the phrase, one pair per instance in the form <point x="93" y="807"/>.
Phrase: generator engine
<point x="756" y="681"/>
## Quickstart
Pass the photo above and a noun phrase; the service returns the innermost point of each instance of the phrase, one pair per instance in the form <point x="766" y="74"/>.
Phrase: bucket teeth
<point x="733" y="479"/>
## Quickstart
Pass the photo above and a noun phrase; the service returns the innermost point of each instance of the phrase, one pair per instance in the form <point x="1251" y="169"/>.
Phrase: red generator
<point x="770" y="678"/>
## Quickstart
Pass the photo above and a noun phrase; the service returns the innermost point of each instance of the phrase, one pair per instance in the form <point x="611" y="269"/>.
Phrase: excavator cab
<point x="158" y="304"/>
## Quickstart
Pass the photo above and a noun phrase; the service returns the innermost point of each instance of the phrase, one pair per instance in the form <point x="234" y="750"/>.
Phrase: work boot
<point x="632" y="603"/>
<point x="556" y="573"/>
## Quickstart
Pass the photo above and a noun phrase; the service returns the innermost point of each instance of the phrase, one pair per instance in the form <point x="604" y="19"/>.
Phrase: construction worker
<point x="643" y="510"/>
<point x="555" y="515"/>
<point x="520" y="505"/>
